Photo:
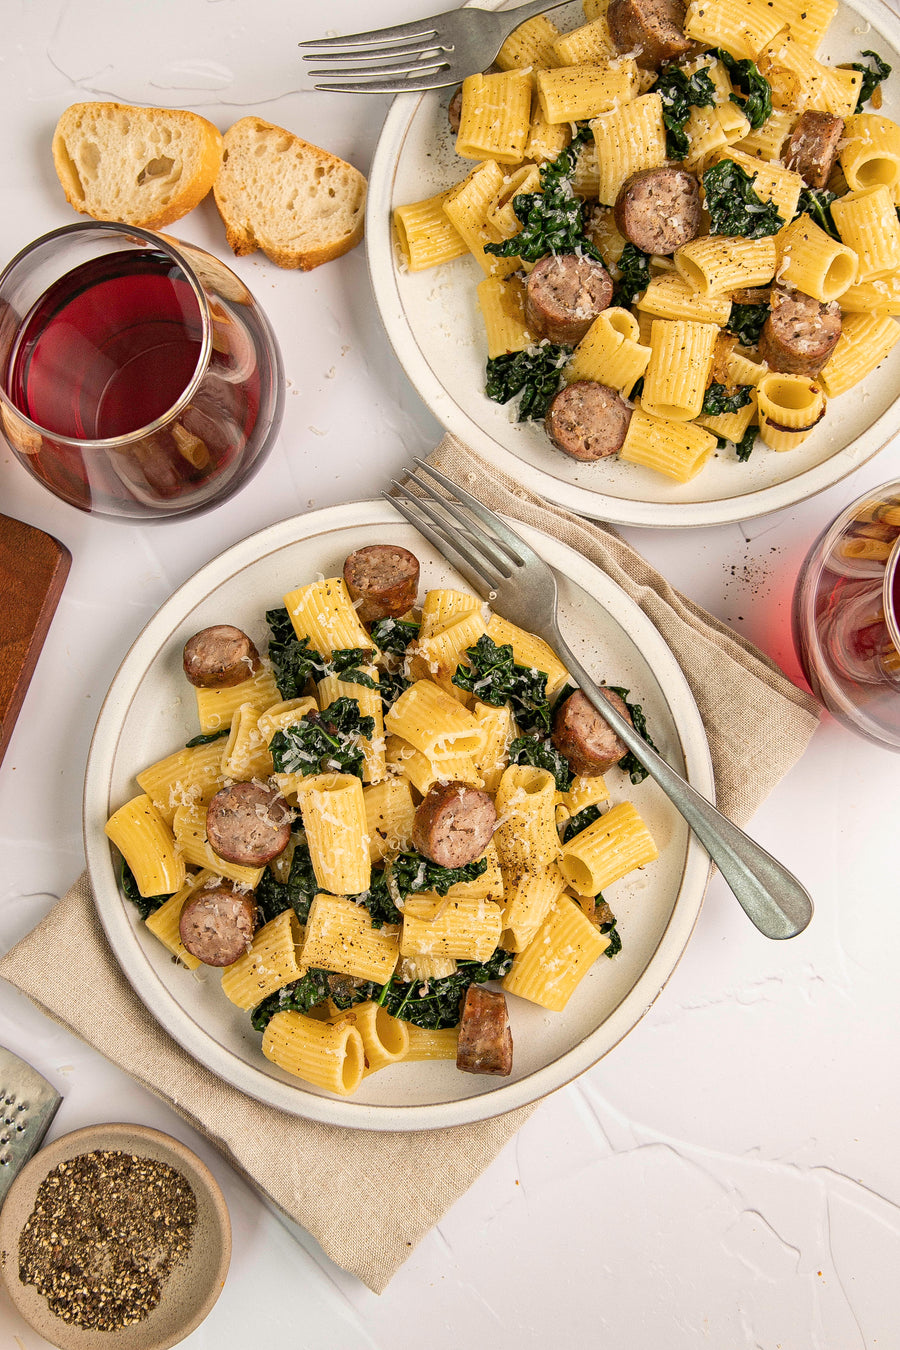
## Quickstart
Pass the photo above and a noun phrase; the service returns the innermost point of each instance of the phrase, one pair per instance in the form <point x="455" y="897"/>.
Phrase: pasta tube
<point x="681" y="356"/>
<point x="340" y="937"/>
<point x="327" y="1056"/>
<point x="608" y="849"/>
<point x="557" y="959"/>
<point x="790" y="406"/>
<point x="812" y="262"/>
<point x="148" y="846"/>
<point x="333" y="809"/>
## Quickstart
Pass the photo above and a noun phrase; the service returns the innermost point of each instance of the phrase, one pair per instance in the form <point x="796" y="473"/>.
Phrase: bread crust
<point x="95" y="143"/>
<point x="255" y="194"/>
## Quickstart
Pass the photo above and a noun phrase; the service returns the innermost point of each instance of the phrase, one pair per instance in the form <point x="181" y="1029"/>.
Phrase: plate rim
<point x="383" y="275"/>
<point x="295" y="1100"/>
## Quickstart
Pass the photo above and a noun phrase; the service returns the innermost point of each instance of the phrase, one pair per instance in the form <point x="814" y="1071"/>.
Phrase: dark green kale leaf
<point x="146" y="904"/>
<point x="634" y="276"/>
<point x="746" y="322"/>
<point x="542" y="753"/>
<point x="630" y="764"/>
<point x="872" y="77"/>
<point x="408" y="874"/>
<point x="206" y="738"/>
<point x="615" y="940"/>
<point x="493" y="676"/>
<point x="575" y="824"/>
<point x="298" y="996"/>
<point x="411" y="872"/>
<point x="744" y="447"/>
<point x="391" y="685"/>
<point x="816" y="203"/>
<point x="379" y="901"/>
<point x="535" y="373"/>
<point x="679" y="93"/>
<point x="553" y="219"/>
<point x="733" y="206"/>
<point x="294" y="661"/>
<point x="297" y="893"/>
<point x="345" y="663"/>
<point x="717" y="399"/>
<point x="756" y="105"/>
<point x="435" y="1004"/>
<point x="394" y="635"/>
<point x="324" y="742"/>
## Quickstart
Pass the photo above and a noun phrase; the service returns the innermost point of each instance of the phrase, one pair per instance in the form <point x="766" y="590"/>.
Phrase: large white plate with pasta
<point x="149" y="712"/>
<point x="436" y="329"/>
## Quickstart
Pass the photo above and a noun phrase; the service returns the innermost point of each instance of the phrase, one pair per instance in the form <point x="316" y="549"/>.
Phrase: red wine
<point x="107" y="352"/>
<point x="109" y="349"/>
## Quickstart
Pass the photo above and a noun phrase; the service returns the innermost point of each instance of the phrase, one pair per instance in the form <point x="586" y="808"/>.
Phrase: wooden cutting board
<point x="33" y="571"/>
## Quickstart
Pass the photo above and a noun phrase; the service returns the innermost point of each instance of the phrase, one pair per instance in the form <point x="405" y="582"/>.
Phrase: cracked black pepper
<point x="105" y="1231"/>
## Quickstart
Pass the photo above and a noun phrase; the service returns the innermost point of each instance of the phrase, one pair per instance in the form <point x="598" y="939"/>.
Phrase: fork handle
<point x="769" y="894"/>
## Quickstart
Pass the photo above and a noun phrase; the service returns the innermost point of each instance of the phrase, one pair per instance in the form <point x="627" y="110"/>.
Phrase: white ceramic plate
<point x="149" y="712"/>
<point x="433" y="323"/>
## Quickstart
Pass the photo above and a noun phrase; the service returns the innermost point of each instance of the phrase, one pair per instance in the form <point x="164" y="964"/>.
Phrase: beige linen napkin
<point x="385" y="1191"/>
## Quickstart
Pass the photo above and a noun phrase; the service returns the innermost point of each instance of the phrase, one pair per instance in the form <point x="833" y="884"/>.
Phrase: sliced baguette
<point x="301" y="205"/>
<point x="142" y="166"/>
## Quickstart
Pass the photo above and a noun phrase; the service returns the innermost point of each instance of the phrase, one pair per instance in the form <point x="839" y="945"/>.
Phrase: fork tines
<point x="486" y="560"/>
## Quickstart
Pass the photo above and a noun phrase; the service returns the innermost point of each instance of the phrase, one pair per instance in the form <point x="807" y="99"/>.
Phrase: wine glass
<point x="138" y="376"/>
<point x="846" y="616"/>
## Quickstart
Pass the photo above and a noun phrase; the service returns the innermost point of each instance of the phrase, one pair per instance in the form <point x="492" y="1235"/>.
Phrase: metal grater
<point x="27" y="1106"/>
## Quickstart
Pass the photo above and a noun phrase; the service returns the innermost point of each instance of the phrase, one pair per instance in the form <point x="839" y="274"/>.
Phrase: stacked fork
<point x="425" y="54"/>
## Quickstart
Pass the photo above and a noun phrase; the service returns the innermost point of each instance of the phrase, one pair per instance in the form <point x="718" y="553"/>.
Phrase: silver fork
<point x="425" y="54"/>
<point x="522" y="588"/>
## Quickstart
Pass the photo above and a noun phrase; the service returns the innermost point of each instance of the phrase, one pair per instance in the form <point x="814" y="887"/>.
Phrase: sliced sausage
<point x="453" y="824"/>
<point x="812" y="146"/>
<point x="485" y="1039"/>
<point x="564" y="294"/>
<point x="659" y="209"/>
<point x="587" y="420"/>
<point x="217" y="924"/>
<point x="587" y="741"/>
<point x="384" y="578"/>
<point x="653" y="29"/>
<point x="248" y="824"/>
<point x="800" y="333"/>
<point x="218" y="657"/>
<point x="454" y="110"/>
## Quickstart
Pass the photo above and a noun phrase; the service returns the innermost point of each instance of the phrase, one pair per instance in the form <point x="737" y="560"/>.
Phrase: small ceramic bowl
<point x="191" y="1288"/>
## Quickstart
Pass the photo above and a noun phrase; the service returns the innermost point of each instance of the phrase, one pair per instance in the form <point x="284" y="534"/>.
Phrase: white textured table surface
<point x="727" y="1176"/>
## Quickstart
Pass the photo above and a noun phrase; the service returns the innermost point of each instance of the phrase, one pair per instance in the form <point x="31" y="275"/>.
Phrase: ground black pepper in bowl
<point x="106" y="1230"/>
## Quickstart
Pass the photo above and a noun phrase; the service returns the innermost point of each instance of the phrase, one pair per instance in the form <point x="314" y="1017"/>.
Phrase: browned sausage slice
<point x="812" y="146"/>
<point x="217" y="923"/>
<point x="485" y="1039"/>
<point x="453" y="824"/>
<point x="218" y="657"/>
<point x="587" y="421"/>
<point x="384" y="578"/>
<point x="580" y="733"/>
<point x="800" y="333"/>
<point x="563" y="296"/>
<point x="659" y="209"/>
<point x="248" y="824"/>
<point x="654" y="29"/>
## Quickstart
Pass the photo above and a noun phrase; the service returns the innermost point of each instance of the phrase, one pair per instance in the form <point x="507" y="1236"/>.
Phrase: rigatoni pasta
<point x="597" y="124"/>
<point x="362" y="945"/>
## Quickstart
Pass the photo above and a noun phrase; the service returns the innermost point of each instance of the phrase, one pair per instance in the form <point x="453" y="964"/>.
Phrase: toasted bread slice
<point x="143" y="166"/>
<point x="301" y="205"/>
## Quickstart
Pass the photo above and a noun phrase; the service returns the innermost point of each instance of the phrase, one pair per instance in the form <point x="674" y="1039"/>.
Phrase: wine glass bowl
<point x="138" y="376"/>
